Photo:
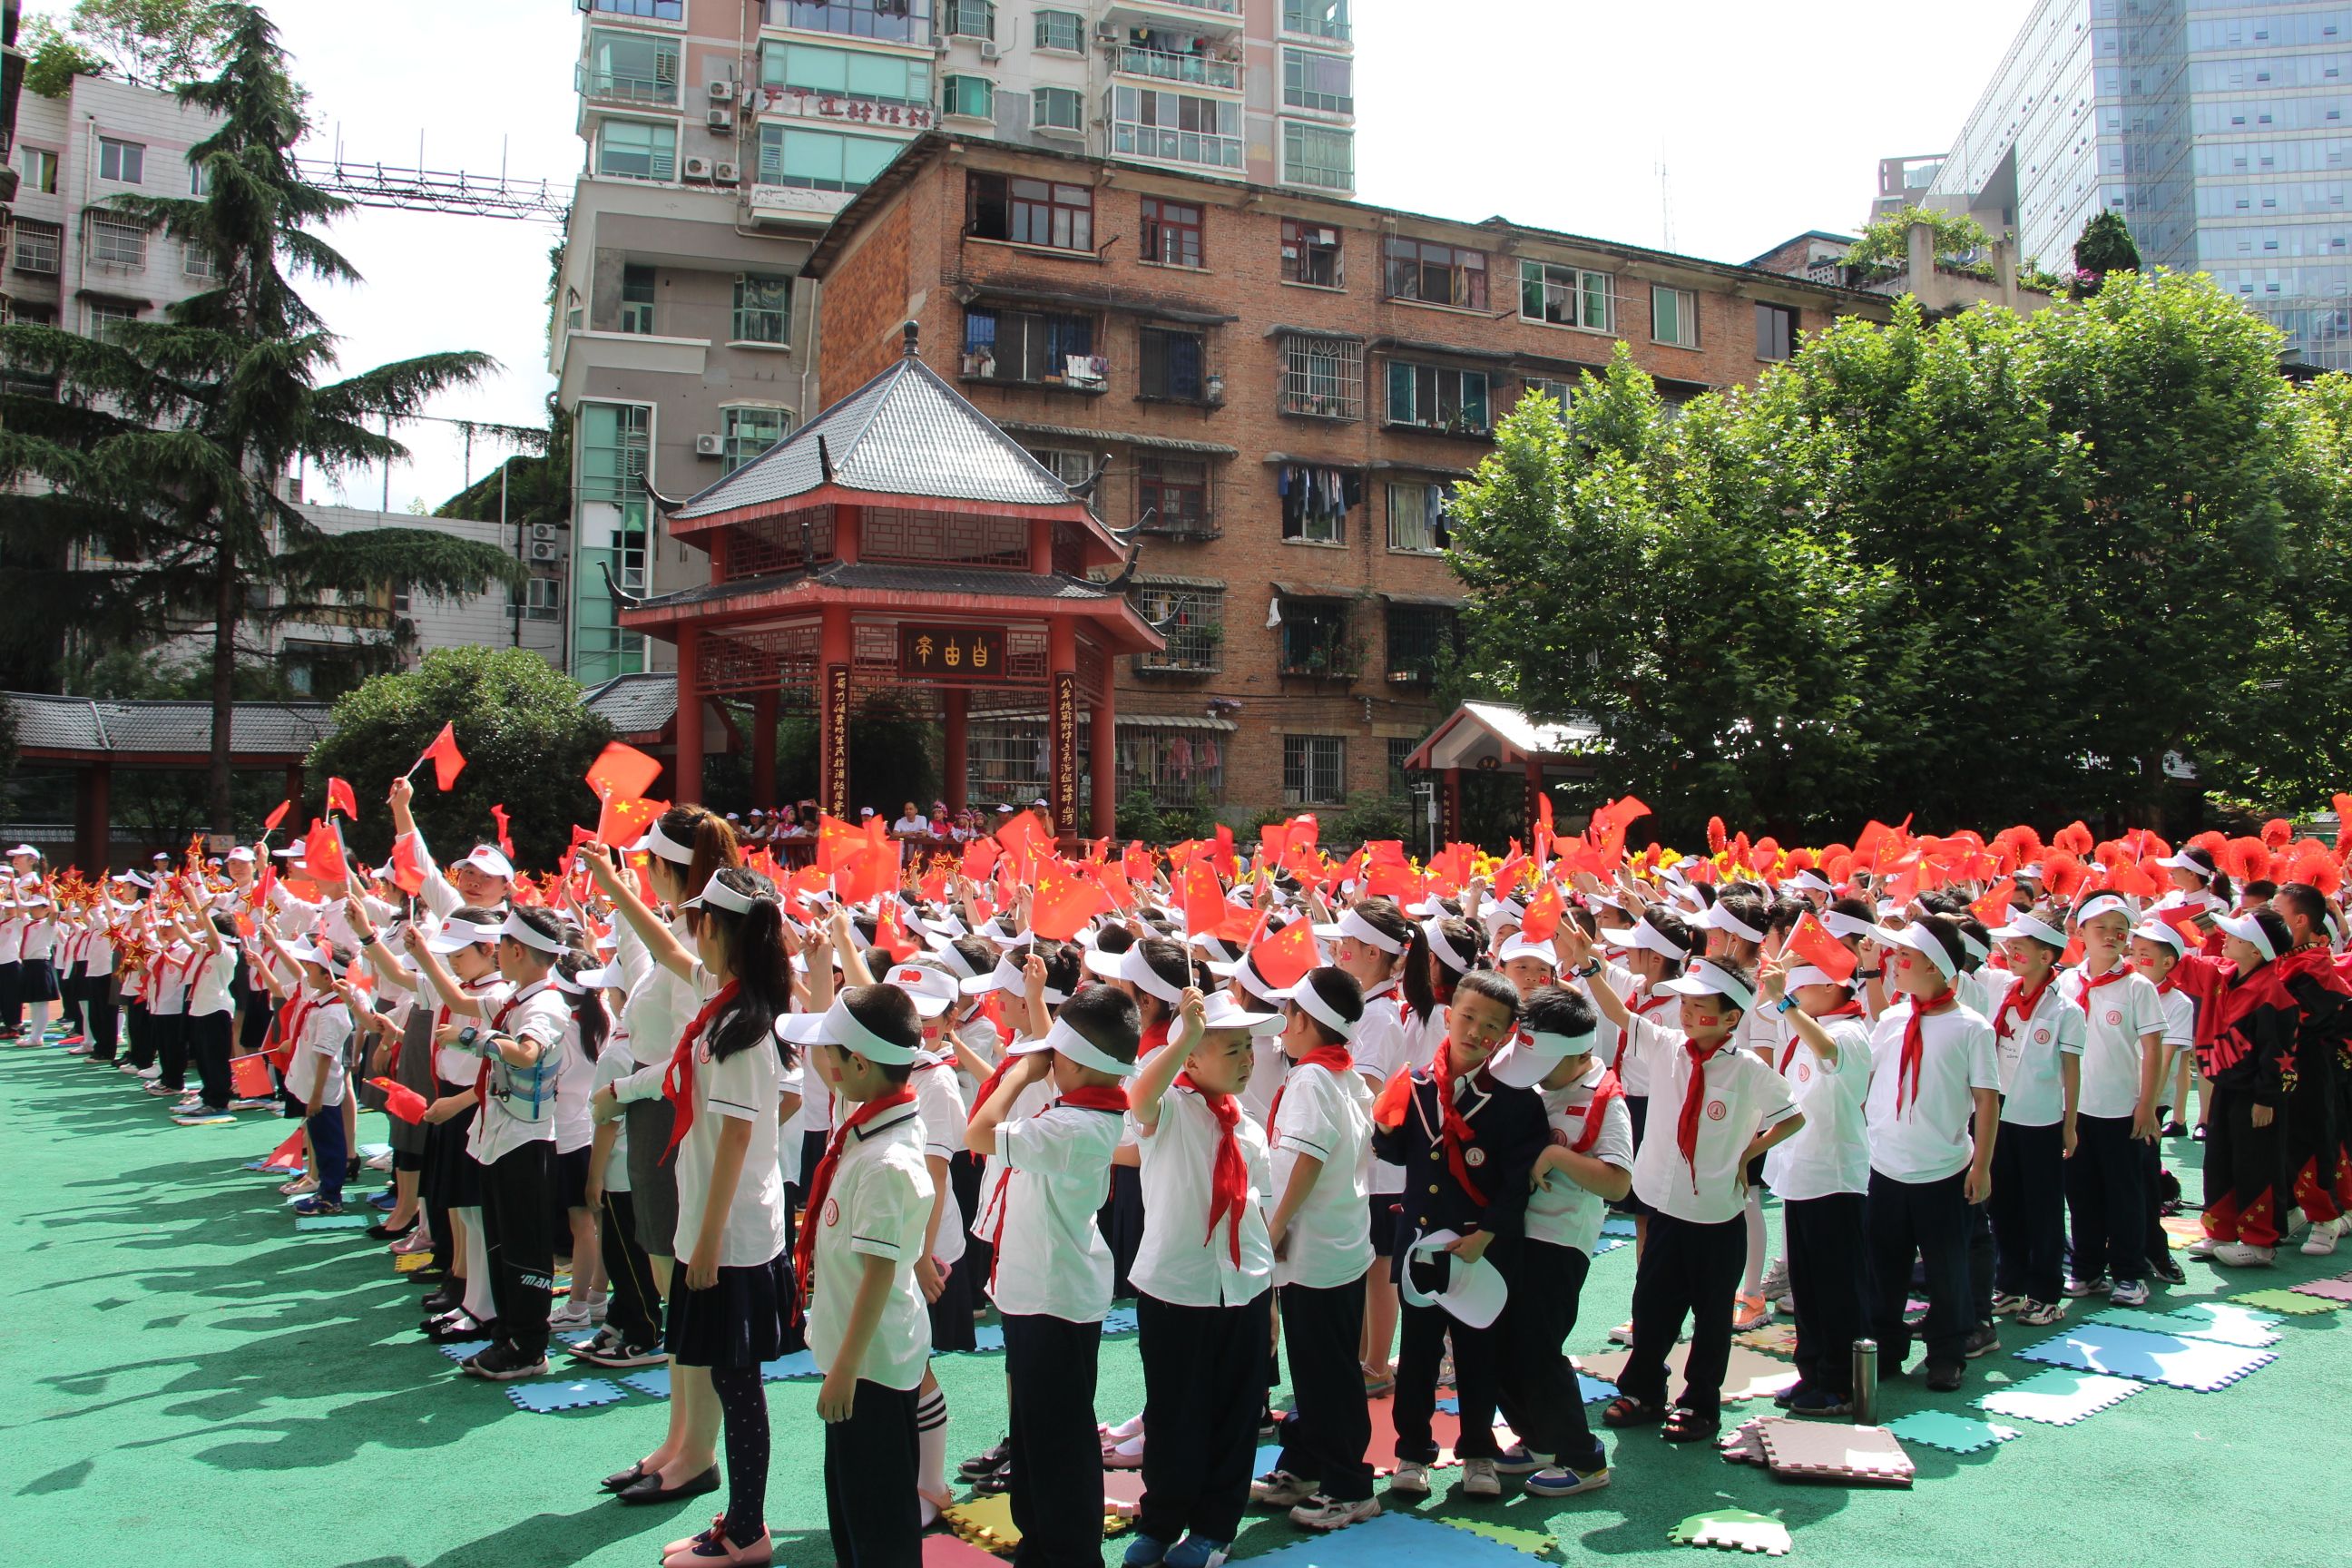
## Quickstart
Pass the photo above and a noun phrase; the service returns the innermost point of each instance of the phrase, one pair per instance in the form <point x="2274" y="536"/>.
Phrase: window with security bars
<point x="1193" y="621"/>
<point x="1315" y="638"/>
<point x="1038" y="347"/>
<point x="1314" y="769"/>
<point x="1323" y="377"/>
<point x="1400" y="781"/>
<point x="37" y="247"/>
<point x="1420" y="638"/>
<point x="763" y="307"/>
<point x="967" y="18"/>
<point x="1067" y="464"/>
<point x="1169" y="364"/>
<point x="1005" y="760"/>
<point x="1171" y="496"/>
<point x="1063" y="30"/>
<point x="117" y="243"/>
<point x="1174" y="766"/>
<point x="196" y="261"/>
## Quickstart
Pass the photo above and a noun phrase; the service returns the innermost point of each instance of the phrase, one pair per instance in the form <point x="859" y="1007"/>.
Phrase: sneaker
<point x="1945" y="1377"/>
<point x="1197" y="1551"/>
<point x="1750" y="1312"/>
<point x="2203" y="1246"/>
<point x="2167" y="1270"/>
<point x="130" y="1068"/>
<point x="2006" y="1305"/>
<point x="156" y="1086"/>
<point x="503" y="1364"/>
<point x="151" y="1073"/>
<point x="2079" y="1288"/>
<point x="1776" y="1280"/>
<point x="198" y="1116"/>
<point x="595" y="1305"/>
<point x="1146" y="1552"/>
<point x="318" y="1206"/>
<point x="1560" y="1480"/>
<point x="1790" y="1394"/>
<point x="1126" y="1456"/>
<point x="2041" y="1314"/>
<point x="1280" y="1489"/>
<point x="251" y="1102"/>
<point x="1411" y="1479"/>
<point x="2321" y="1241"/>
<point x="2244" y="1255"/>
<point x="77" y="1046"/>
<point x="569" y="1316"/>
<point x="2199" y="1136"/>
<point x="1820" y="1404"/>
<point x="1983" y="1339"/>
<point x="1479" y="1478"/>
<point x="1515" y="1460"/>
<point x="1321" y="1512"/>
<point x="982" y="1463"/>
<point x="2128" y="1293"/>
<point x="1784" y="1306"/>
<point x="1622" y="1335"/>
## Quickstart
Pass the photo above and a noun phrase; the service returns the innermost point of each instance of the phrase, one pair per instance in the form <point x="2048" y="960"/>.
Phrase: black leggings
<point x="743" y="1411"/>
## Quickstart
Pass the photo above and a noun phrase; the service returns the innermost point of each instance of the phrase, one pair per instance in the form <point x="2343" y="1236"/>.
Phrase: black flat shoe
<point x="621" y="1480"/>
<point x="649" y="1488"/>
<point x="380" y="1232"/>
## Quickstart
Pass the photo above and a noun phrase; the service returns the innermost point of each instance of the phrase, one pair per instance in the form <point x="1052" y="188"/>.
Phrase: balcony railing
<point x="607" y="87"/>
<point x="1195" y="147"/>
<point x="1197" y="69"/>
<point x="1230" y="7"/>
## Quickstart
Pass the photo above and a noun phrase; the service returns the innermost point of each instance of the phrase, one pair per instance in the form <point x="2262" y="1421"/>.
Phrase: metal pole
<point x="519" y="608"/>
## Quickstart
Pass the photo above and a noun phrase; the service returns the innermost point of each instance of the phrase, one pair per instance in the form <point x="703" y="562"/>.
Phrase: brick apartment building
<point x="1284" y="385"/>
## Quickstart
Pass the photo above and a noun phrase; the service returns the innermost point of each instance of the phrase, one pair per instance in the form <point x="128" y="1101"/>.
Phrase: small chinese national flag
<point x="622" y="773"/>
<point x="1542" y="918"/>
<point x="341" y="799"/>
<point x="1813" y="944"/>
<point x="322" y="853"/>
<point x="625" y="820"/>
<point x="248" y="1077"/>
<point x="269" y="824"/>
<point x="1283" y="958"/>
<point x="1063" y="902"/>
<point x="446" y="759"/>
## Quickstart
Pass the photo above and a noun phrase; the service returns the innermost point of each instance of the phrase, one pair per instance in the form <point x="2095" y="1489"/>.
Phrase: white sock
<point x="932" y="1442"/>
<point x="1758" y="1239"/>
<point x="478" y="1301"/>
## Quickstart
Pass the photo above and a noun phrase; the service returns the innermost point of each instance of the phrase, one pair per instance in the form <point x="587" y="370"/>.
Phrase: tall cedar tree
<point x="152" y="511"/>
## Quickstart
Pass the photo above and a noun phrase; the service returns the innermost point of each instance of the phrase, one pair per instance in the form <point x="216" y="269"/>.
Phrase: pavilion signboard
<point x="952" y="653"/>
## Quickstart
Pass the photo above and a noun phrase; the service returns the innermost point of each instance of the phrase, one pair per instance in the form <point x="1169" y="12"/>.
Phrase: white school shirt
<point x="2179" y="1022"/>
<point x="2033" y="1081"/>
<point x="1743" y="1097"/>
<point x="1830" y="1153"/>
<point x="208" y="984"/>
<point x="660" y="1003"/>
<point x="167" y="995"/>
<point x="454" y="1064"/>
<point x="1180" y="1261"/>
<point x="40" y="933"/>
<point x="537" y="1011"/>
<point x="1053" y="1165"/>
<point x="319" y="1052"/>
<point x="1323" y="1116"/>
<point x="612" y="1062"/>
<point x="12" y="940"/>
<point x="1635" y="1066"/>
<point x="575" y="1123"/>
<point x="2119" y="1013"/>
<point x="1561" y="1212"/>
<point x="1381" y="1051"/>
<point x="939" y="1104"/>
<point x="994" y="1172"/>
<point x="1928" y="1139"/>
<point x="744" y="1087"/>
<point x="98" y="956"/>
<point x="880" y="1202"/>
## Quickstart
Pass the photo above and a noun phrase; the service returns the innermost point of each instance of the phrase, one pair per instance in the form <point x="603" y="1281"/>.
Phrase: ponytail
<point x="587" y="1004"/>
<point x="754" y="945"/>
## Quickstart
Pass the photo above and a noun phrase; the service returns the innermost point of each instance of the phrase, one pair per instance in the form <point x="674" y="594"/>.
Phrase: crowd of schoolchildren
<point x="1374" y="1153"/>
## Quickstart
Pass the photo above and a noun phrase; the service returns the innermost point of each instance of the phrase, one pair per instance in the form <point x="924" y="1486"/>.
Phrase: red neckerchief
<point x="678" y="1078"/>
<point x="1607" y="1090"/>
<point x="1228" y="1175"/>
<point x="2093" y="982"/>
<point x="2020" y="1004"/>
<point x="988" y="1085"/>
<point x="1694" y="1097"/>
<point x="1335" y="1058"/>
<point x="820" y="1183"/>
<point x="1087" y="1097"/>
<point x="1849" y="1008"/>
<point x="2170" y="983"/>
<point x="1914" y="1046"/>
<point x="1452" y="1126"/>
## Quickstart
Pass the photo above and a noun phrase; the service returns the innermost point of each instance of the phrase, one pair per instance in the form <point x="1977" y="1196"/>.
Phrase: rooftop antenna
<point x="1666" y="205"/>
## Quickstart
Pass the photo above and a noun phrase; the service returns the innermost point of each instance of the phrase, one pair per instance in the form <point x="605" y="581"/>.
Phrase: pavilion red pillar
<point x="1451" y="825"/>
<point x="686" y="768"/>
<point x="763" y="748"/>
<point x="1062" y="727"/>
<point x="1535" y="794"/>
<point x="956" y="705"/>
<point x="1102" y="757"/>
<point x="832" y="712"/>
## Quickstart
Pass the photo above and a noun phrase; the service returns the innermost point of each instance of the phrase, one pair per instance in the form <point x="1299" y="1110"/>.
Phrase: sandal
<point x="1627" y="1411"/>
<point x="1684" y="1424"/>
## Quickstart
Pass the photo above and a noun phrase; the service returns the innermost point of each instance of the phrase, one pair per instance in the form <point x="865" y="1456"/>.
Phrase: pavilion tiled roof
<point x="52" y="723"/>
<point x="905" y="433"/>
<point x="897" y="580"/>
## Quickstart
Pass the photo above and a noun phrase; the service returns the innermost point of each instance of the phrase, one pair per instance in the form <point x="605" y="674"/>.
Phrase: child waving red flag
<point x="1813" y="943"/>
<point x="341" y="800"/>
<point x="446" y="759"/>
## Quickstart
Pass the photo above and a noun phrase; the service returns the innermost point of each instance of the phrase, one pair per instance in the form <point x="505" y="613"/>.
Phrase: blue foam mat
<point x="333" y="1221"/>
<point x="1952" y="1433"/>
<point x="797" y="1364"/>
<point x="1397" y="1541"/>
<point x="651" y="1380"/>
<point x="580" y="1393"/>
<point x="458" y="1350"/>
<point x="2200" y="1366"/>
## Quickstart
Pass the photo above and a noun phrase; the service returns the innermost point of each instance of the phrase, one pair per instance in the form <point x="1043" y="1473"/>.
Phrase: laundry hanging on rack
<point x="1316" y="500"/>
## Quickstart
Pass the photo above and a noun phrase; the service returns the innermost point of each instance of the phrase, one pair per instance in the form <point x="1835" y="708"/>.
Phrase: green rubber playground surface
<point x="193" y="1382"/>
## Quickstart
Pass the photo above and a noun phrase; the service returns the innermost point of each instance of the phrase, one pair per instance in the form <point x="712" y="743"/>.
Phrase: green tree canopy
<point x="1887" y="241"/>
<point x="160" y="44"/>
<point x="154" y="504"/>
<point x="2104" y="245"/>
<point x="527" y="740"/>
<point x="1985" y="569"/>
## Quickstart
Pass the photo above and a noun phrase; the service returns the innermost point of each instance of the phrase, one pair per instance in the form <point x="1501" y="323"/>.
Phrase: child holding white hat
<point x="1203" y="1279"/>
<point x="2156" y="952"/>
<point x="2123" y="1070"/>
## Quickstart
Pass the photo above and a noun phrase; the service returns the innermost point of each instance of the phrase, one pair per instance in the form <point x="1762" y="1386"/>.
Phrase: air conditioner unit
<point x="1107" y="31"/>
<point x="721" y="119"/>
<point x="698" y="168"/>
<point x="709" y="447"/>
<point x="543" y="552"/>
<point x="725" y="174"/>
<point x="543" y="533"/>
<point x="722" y="92"/>
<point x="988" y="51"/>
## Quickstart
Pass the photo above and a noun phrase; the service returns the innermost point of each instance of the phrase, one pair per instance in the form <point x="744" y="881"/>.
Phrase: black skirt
<point x="40" y="981"/>
<point x="571" y="1179"/>
<point x="451" y="1174"/>
<point x="738" y="1322"/>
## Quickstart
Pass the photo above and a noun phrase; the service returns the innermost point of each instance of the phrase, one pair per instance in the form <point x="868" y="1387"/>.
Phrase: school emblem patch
<point x="832" y="1212"/>
<point x="1716" y="1111"/>
<point x="1474" y="1158"/>
<point x="2041" y="1037"/>
<point x="1804" y="1072"/>
<point x="1558" y="1138"/>
<point x="2115" y="1015"/>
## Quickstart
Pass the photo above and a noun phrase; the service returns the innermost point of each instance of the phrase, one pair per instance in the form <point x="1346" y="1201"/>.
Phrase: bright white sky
<point x="1552" y="112"/>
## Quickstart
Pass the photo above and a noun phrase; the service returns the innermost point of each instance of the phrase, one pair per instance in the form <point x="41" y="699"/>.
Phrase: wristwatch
<point x="467" y="1036"/>
<point x="1868" y="974"/>
<point x="1786" y="1003"/>
<point x="1591" y="967"/>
